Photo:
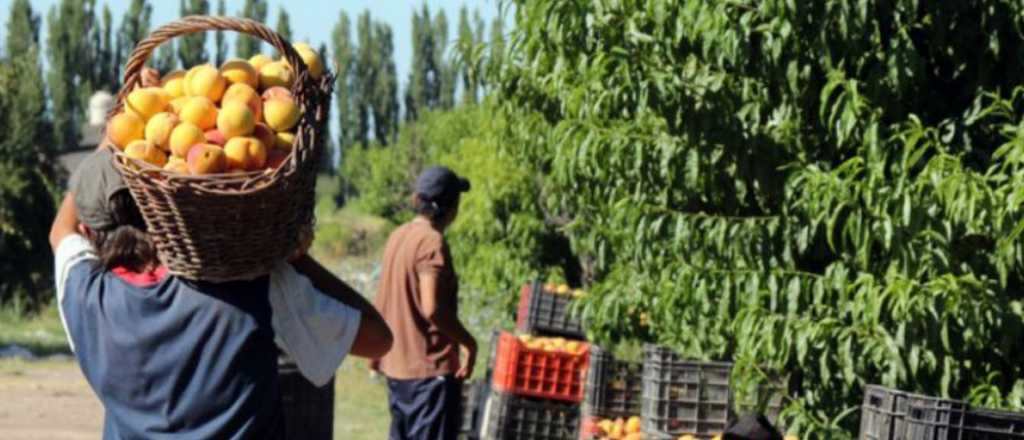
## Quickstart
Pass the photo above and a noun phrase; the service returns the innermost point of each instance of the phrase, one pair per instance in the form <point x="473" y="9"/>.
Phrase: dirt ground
<point x="47" y="400"/>
<point x="50" y="399"/>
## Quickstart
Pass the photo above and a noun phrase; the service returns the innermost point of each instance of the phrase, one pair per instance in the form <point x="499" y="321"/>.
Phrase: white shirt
<point x="315" y="330"/>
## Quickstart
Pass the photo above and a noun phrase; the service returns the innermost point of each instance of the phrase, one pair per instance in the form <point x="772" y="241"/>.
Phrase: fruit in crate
<point x="562" y="289"/>
<point x="687" y="437"/>
<point x="617" y="429"/>
<point x="204" y="120"/>
<point x="552" y="345"/>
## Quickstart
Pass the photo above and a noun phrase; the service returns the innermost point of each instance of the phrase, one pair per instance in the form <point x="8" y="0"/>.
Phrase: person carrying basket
<point x="173" y="358"/>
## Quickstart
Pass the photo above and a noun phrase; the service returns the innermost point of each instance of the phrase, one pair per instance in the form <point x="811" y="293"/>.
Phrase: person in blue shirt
<point x="171" y="358"/>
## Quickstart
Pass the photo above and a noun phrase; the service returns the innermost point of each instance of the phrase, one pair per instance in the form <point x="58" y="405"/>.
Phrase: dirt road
<point x="45" y="400"/>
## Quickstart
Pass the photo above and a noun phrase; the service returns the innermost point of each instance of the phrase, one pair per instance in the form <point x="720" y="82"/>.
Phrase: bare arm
<point x="374" y="337"/>
<point x="441" y="313"/>
<point x="66" y="222"/>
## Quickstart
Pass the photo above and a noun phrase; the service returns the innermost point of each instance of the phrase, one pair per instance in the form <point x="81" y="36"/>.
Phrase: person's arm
<point x="440" y="311"/>
<point x="374" y="337"/>
<point x="66" y="222"/>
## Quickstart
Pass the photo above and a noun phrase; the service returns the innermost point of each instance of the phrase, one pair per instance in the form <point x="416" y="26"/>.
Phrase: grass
<point x="40" y="331"/>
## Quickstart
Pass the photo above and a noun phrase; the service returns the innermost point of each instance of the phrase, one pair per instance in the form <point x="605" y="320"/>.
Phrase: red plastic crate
<point x="548" y="375"/>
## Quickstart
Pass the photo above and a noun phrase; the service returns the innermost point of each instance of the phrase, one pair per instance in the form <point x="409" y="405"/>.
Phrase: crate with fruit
<point x="209" y="146"/>
<point x="545" y="309"/>
<point x="512" y="417"/>
<point x="543" y="367"/>
<point x="614" y="387"/>
<point x="621" y="428"/>
<point x="683" y="397"/>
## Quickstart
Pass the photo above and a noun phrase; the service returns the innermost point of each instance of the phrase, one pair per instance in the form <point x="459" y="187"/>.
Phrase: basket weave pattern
<point x="236" y="226"/>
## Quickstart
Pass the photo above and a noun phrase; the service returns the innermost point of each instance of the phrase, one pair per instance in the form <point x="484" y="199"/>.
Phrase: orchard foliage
<point x="825" y="192"/>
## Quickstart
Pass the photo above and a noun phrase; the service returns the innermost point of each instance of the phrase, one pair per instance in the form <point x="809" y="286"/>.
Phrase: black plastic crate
<point x="932" y="418"/>
<point x="473" y="395"/>
<point x="510" y="417"/>
<point x="544" y="313"/>
<point x="883" y="414"/>
<point x="995" y="425"/>
<point x="614" y="388"/>
<point x="683" y="397"/>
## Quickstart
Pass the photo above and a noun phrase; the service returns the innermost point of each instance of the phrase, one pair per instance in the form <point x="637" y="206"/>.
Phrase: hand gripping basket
<point x="236" y="226"/>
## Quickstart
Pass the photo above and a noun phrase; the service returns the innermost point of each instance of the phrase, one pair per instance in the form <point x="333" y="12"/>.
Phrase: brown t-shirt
<point x="420" y="350"/>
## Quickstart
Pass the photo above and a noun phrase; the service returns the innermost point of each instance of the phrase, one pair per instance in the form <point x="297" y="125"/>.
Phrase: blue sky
<point x="311" y="21"/>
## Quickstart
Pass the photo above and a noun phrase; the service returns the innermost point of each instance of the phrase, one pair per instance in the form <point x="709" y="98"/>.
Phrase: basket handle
<point x="202" y="23"/>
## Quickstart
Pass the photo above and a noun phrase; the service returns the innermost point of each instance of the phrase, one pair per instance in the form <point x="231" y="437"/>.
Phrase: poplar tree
<point x="341" y="40"/>
<point x="283" y="27"/>
<point x="220" y="46"/>
<point x="245" y="45"/>
<point x="70" y="74"/>
<point x="192" y="47"/>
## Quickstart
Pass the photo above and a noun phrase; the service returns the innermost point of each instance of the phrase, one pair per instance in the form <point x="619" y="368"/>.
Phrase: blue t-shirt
<point x="175" y="359"/>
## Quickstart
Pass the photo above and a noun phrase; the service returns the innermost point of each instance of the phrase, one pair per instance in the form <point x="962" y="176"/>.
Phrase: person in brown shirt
<point x="418" y="298"/>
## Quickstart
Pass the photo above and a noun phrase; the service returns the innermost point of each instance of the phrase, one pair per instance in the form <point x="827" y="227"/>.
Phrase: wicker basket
<point x="234" y="226"/>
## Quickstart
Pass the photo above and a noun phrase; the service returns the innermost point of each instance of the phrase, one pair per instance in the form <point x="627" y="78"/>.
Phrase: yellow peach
<point x="259" y="60"/>
<point x="284" y="140"/>
<point x="237" y="71"/>
<point x="146" y="151"/>
<point x="183" y="137"/>
<point x="124" y="128"/>
<point x="147" y="101"/>
<point x="245" y="154"/>
<point x="235" y="119"/>
<point x="206" y="159"/>
<point x="174" y="84"/>
<point x="277" y="73"/>
<point x="205" y="80"/>
<point x="176" y="164"/>
<point x="177" y="103"/>
<point x="201" y="111"/>
<point x="281" y="114"/>
<point x="159" y="127"/>
<point x="247" y="95"/>
<point x="311" y="58"/>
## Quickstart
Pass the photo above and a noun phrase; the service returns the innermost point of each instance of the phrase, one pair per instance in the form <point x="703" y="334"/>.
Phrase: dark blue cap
<point x="438" y="184"/>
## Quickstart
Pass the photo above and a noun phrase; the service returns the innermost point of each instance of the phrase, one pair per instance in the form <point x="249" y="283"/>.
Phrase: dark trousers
<point x="425" y="409"/>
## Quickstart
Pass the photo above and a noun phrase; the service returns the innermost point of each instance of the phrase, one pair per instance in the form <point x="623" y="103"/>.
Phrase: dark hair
<point x="127" y="244"/>
<point x="435" y="209"/>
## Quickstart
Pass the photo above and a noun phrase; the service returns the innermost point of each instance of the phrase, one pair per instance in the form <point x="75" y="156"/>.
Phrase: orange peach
<point x="215" y="137"/>
<point x="206" y="159"/>
<point x="124" y="128"/>
<point x="201" y="111"/>
<point x="245" y="154"/>
<point x="247" y="95"/>
<point x="146" y="151"/>
<point x="237" y="71"/>
<point x="205" y="80"/>
<point x="184" y="137"/>
<point x="177" y="103"/>
<point x="147" y="101"/>
<point x="159" y="127"/>
<point x="174" y="84"/>
<point x="281" y="114"/>
<point x="277" y="73"/>
<point x="259" y="60"/>
<point x="235" y="119"/>
<point x="284" y="140"/>
<point x="277" y="92"/>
